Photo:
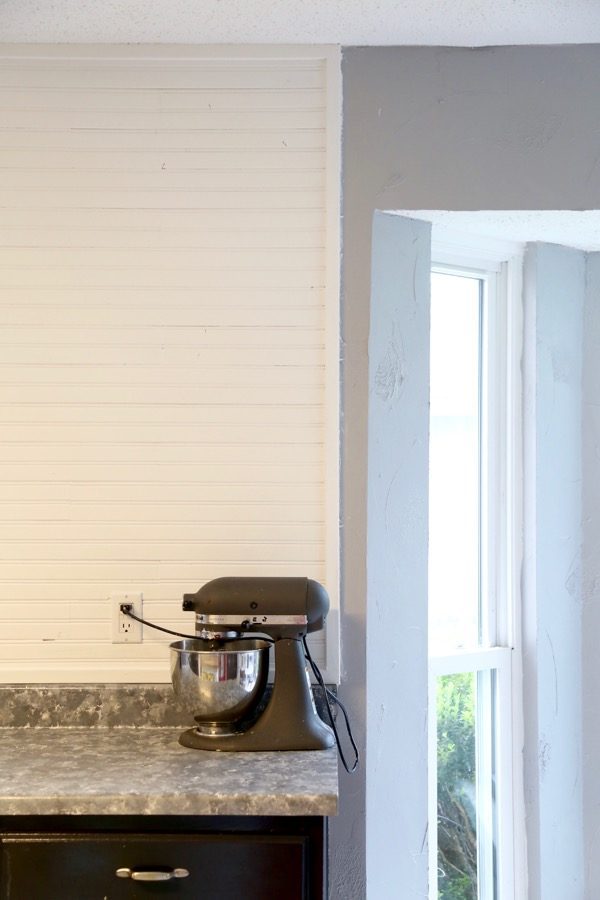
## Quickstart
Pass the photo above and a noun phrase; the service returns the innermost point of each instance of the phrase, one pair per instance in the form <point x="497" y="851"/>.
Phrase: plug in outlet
<point x="124" y="629"/>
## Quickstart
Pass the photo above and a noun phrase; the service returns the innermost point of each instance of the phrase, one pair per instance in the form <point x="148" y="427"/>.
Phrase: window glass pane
<point x="466" y="778"/>
<point x="456" y="787"/>
<point x="454" y="462"/>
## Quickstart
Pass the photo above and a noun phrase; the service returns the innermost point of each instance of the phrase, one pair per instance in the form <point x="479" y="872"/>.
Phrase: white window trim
<point x="455" y="251"/>
<point x="333" y="238"/>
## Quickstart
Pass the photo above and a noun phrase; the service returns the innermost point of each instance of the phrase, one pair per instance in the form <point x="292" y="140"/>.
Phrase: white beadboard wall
<point x="169" y="254"/>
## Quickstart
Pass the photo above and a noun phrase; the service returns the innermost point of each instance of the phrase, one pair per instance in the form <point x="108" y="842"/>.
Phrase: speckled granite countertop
<point x="113" y="750"/>
<point x="131" y="771"/>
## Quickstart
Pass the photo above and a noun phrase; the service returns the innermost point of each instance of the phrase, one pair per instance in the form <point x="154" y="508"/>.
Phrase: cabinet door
<point x="220" y="867"/>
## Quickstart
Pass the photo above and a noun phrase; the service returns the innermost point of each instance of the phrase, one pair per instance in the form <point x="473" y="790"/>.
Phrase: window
<point x="474" y="558"/>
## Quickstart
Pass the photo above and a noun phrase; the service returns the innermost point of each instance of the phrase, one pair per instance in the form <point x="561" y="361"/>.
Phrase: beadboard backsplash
<point x="168" y="341"/>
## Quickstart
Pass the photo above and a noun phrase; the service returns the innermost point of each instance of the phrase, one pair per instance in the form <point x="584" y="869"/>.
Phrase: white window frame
<point x="499" y="263"/>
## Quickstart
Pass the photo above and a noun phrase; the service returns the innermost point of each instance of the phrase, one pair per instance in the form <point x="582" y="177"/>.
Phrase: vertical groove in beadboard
<point x="169" y="277"/>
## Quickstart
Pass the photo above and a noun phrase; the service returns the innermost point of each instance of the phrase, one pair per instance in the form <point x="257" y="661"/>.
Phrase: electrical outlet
<point x="124" y="629"/>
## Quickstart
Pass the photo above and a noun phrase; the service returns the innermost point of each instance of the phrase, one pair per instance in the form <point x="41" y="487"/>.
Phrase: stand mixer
<point x="221" y="676"/>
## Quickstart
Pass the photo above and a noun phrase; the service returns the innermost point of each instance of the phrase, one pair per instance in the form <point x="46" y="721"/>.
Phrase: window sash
<point x="500" y="557"/>
<point x="498" y="772"/>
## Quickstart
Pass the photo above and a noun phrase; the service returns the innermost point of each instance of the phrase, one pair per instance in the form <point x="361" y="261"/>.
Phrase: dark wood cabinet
<point x="204" y="858"/>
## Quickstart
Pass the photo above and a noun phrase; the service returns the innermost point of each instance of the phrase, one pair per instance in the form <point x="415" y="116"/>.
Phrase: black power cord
<point x="126" y="609"/>
<point x="328" y="695"/>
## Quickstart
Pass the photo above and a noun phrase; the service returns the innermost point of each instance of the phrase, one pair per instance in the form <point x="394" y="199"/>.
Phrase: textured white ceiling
<point x="350" y="22"/>
<point x="573" y="228"/>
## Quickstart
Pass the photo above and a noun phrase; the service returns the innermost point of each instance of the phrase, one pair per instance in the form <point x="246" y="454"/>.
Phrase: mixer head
<point x="279" y="607"/>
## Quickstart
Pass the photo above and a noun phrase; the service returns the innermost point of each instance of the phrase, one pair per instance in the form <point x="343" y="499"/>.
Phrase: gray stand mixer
<point x="221" y="676"/>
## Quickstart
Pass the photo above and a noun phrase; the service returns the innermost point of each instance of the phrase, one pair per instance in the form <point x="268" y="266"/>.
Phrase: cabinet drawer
<point x="220" y="866"/>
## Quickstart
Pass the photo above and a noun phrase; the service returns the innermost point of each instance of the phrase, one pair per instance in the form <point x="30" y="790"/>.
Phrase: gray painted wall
<point x="437" y="128"/>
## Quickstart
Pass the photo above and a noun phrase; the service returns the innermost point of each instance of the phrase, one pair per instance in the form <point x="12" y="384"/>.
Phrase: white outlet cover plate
<point x="125" y="630"/>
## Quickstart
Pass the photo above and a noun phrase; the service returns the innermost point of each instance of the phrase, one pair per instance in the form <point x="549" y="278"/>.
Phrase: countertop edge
<point x="165" y="806"/>
<point x="128" y="772"/>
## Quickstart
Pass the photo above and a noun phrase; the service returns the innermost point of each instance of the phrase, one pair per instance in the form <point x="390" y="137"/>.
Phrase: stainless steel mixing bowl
<point x="220" y="682"/>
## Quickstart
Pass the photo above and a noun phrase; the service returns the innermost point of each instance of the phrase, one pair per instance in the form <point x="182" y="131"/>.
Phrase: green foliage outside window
<point x="457" y="836"/>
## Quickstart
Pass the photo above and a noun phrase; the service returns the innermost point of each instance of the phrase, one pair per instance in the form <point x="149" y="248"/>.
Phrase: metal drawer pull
<point x="152" y="874"/>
